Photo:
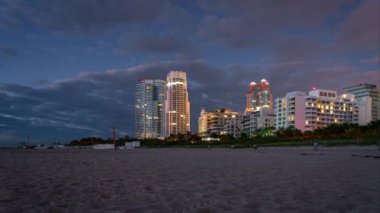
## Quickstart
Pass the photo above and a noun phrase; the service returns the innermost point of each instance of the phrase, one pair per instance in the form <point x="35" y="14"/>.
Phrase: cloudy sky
<point x="68" y="68"/>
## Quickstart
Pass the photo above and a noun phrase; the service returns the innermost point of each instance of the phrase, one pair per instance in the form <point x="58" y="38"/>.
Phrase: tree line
<point x="345" y="131"/>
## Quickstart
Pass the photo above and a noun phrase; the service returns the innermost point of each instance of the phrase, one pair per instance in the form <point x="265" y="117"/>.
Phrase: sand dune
<point x="191" y="180"/>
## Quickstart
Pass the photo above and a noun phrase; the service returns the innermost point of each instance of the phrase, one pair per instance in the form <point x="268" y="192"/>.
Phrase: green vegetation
<point x="333" y="135"/>
<point x="94" y="140"/>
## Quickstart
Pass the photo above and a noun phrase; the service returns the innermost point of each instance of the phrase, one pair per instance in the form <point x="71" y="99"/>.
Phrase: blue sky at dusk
<point x="68" y="68"/>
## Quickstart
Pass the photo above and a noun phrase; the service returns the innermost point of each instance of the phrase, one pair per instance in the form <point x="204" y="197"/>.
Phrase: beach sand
<point x="339" y="179"/>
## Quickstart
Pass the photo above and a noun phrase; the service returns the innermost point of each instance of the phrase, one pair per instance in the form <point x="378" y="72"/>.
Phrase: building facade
<point x="255" y="120"/>
<point x="215" y="122"/>
<point x="234" y="126"/>
<point x="258" y="96"/>
<point x="149" y="108"/>
<point x="177" y="105"/>
<point x="368" y="99"/>
<point x="317" y="109"/>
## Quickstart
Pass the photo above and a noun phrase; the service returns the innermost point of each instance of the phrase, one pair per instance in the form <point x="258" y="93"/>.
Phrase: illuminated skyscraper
<point x="177" y="105"/>
<point x="258" y="96"/>
<point x="149" y="109"/>
<point x="259" y="112"/>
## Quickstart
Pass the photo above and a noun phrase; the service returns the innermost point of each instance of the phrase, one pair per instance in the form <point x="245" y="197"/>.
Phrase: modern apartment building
<point x="317" y="109"/>
<point x="258" y="96"/>
<point x="368" y="99"/>
<point x="149" y="108"/>
<point x="215" y="122"/>
<point x="234" y="126"/>
<point x="252" y="121"/>
<point x="177" y="105"/>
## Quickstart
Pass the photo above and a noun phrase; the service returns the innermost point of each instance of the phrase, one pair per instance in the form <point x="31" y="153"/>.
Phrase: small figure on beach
<point x="316" y="145"/>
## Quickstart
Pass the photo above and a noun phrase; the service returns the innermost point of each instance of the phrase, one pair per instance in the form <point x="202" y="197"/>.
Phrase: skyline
<point x="68" y="74"/>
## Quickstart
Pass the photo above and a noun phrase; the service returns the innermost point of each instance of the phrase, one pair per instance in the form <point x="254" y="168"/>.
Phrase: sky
<point x="69" y="68"/>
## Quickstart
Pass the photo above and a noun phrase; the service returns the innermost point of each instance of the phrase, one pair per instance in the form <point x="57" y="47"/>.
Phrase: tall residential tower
<point x="259" y="112"/>
<point x="177" y="105"/>
<point x="149" y="109"/>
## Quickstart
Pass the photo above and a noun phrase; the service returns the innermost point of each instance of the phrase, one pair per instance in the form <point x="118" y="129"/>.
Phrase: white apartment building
<point x="234" y="126"/>
<point x="317" y="109"/>
<point x="216" y="121"/>
<point x="254" y="120"/>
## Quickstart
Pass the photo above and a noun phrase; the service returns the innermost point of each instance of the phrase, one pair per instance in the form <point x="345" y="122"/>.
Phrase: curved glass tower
<point x="150" y="119"/>
<point x="177" y="105"/>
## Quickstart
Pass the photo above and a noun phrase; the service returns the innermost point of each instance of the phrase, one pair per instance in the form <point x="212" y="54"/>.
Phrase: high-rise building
<point x="149" y="108"/>
<point x="368" y="99"/>
<point x="215" y="122"/>
<point x="259" y="108"/>
<point x="258" y="96"/>
<point x="318" y="109"/>
<point x="177" y="105"/>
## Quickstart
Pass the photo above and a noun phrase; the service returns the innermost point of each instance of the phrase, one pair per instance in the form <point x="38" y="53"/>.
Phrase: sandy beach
<point x="341" y="179"/>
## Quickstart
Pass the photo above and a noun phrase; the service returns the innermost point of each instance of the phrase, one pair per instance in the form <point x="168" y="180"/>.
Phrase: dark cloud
<point x="245" y="23"/>
<point x="145" y="42"/>
<point x="361" y="29"/>
<point x="292" y="49"/>
<point x="85" y="16"/>
<point x="7" y="53"/>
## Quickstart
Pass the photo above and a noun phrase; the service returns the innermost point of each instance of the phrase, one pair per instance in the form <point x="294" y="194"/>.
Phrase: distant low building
<point x="234" y="126"/>
<point x="132" y="145"/>
<point x="215" y="122"/>
<point x="255" y="120"/>
<point x="317" y="109"/>
<point x="103" y="146"/>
